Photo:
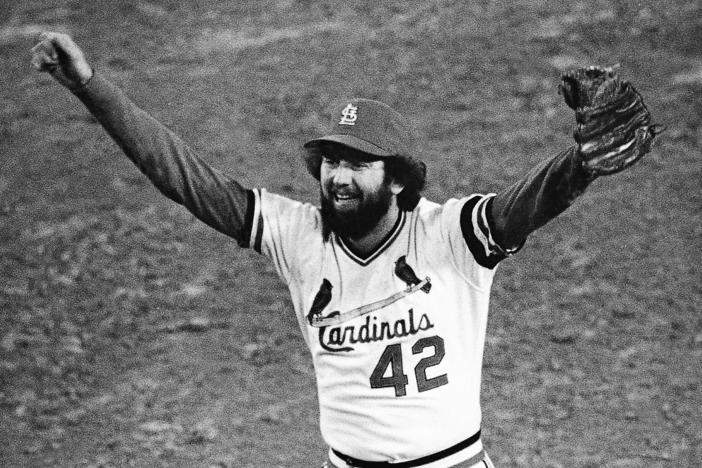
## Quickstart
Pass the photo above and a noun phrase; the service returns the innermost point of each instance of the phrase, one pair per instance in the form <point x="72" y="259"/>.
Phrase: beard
<point x="357" y="222"/>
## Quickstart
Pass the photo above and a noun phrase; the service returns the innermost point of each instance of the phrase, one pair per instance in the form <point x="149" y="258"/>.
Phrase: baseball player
<point x="390" y="290"/>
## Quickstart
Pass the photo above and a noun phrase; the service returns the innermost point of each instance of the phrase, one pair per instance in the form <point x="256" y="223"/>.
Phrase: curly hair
<point x="409" y="172"/>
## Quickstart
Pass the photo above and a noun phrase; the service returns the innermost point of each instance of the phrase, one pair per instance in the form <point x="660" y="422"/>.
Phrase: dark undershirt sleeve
<point x="541" y="195"/>
<point x="169" y="163"/>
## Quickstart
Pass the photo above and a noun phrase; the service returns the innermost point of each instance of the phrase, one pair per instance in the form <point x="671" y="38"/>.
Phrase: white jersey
<point x="402" y="379"/>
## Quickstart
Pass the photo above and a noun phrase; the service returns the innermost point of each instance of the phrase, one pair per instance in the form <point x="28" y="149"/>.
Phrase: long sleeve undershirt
<point x="167" y="161"/>
<point x="542" y="194"/>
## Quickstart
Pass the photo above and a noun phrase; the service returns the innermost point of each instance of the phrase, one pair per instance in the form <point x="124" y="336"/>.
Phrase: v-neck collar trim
<point x="382" y="246"/>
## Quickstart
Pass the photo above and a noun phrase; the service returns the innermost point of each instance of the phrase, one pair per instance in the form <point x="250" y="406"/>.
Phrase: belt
<point x="356" y="463"/>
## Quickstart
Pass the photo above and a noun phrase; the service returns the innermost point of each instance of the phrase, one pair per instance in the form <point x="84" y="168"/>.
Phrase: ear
<point x="396" y="187"/>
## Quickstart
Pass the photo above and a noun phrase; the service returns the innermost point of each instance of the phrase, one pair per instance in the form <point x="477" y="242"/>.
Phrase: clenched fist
<point x="57" y="54"/>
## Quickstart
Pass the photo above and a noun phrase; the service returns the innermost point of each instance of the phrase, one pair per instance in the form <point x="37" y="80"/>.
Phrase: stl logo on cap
<point x="348" y="115"/>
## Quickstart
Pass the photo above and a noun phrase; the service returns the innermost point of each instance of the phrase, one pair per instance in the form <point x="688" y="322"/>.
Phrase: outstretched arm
<point x="613" y="131"/>
<point x="541" y="195"/>
<point x="165" y="159"/>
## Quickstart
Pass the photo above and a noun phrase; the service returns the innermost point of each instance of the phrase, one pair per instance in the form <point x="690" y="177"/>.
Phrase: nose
<point x="342" y="174"/>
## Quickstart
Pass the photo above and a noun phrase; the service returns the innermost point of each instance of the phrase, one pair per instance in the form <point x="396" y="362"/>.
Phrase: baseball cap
<point x="369" y="126"/>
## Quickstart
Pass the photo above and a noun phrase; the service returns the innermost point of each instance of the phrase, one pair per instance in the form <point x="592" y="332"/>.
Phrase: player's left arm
<point x="613" y="131"/>
<point x="538" y="197"/>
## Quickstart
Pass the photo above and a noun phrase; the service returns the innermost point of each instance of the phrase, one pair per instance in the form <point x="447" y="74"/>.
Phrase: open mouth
<point x="343" y="199"/>
<point x="344" y="196"/>
<point x="344" y="193"/>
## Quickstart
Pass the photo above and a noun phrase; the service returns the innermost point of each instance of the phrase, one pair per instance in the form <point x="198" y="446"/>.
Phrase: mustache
<point x="347" y="191"/>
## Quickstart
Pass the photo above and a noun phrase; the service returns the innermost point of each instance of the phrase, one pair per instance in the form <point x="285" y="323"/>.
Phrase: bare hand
<point x="57" y="54"/>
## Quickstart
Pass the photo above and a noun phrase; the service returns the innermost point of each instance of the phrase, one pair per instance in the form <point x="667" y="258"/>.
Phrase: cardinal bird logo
<point x="324" y="296"/>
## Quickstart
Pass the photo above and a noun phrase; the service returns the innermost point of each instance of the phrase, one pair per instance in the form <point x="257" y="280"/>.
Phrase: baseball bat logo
<point x="317" y="319"/>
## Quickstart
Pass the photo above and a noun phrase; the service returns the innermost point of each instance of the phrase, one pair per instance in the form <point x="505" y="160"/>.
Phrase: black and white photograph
<point x="321" y="234"/>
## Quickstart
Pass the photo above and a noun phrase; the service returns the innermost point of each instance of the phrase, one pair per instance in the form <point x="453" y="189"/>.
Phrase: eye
<point x="329" y="161"/>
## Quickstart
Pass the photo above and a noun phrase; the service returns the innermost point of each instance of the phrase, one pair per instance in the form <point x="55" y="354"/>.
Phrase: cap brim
<point x="350" y="141"/>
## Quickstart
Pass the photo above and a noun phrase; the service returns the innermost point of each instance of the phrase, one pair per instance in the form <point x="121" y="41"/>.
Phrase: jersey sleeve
<point x="281" y="229"/>
<point x="470" y="239"/>
<point x="477" y="228"/>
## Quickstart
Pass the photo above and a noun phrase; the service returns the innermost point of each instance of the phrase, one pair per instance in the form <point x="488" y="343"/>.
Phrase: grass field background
<point x="132" y="335"/>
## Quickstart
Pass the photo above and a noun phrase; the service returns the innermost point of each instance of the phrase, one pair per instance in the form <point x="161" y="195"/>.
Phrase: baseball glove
<point x="613" y="126"/>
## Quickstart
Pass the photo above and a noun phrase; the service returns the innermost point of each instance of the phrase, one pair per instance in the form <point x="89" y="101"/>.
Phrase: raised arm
<point x="541" y="195"/>
<point x="613" y="131"/>
<point x="165" y="159"/>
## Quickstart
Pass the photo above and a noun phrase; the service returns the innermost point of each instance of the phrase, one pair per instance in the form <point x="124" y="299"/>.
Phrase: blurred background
<point x="133" y="335"/>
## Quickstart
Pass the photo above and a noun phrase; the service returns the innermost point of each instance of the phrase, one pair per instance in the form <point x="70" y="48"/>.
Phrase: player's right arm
<point x="165" y="159"/>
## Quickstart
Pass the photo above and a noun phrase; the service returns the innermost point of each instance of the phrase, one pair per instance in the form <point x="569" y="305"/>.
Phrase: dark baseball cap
<point x="369" y="126"/>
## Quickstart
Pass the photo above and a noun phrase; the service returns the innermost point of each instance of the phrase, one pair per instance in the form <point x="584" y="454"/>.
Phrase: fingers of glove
<point x="580" y="86"/>
<point x="590" y="86"/>
<point x="610" y="128"/>
<point x="617" y="141"/>
<point x="578" y="94"/>
<point x="568" y="89"/>
<point x="608" y="91"/>
<point x="624" y="105"/>
<point x="619" y="158"/>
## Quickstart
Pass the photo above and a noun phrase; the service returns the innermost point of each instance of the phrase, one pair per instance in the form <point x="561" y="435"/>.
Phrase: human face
<point x="355" y="193"/>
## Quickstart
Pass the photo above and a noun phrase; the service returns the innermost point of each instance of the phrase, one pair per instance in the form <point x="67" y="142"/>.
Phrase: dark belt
<point x="356" y="463"/>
